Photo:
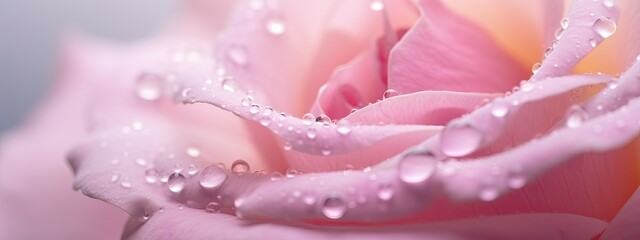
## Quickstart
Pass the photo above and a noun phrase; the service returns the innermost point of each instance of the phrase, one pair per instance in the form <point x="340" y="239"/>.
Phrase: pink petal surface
<point x="625" y="224"/>
<point x="190" y="224"/>
<point x="36" y="199"/>
<point x="441" y="53"/>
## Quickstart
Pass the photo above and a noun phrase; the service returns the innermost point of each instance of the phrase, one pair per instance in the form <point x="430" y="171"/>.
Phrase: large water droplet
<point x="240" y="167"/>
<point x="576" y="116"/>
<point x="149" y="87"/>
<point x="238" y="55"/>
<point x="276" y="26"/>
<point x="604" y="26"/>
<point x="324" y="119"/>
<point x="212" y="207"/>
<point x="390" y="93"/>
<point x="151" y="175"/>
<point x="417" y="167"/>
<point x="176" y="182"/>
<point x="460" y="140"/>
<point x="212" y="177"/>
<point x="333" y="207"/>
<point x="385" y="191"/>
<point x="308" y="119"/>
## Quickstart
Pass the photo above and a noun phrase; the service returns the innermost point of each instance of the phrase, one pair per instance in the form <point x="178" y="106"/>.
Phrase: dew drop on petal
<point x="516" y="181"/>
<point x="460" y="140"/>
<point x="535" y="68"/>
<point x="276" y="26"/>
<point x="308" y="119"/>
<point x="238" y="55"/>
<point x="488" y="194"/>
<point x="213" y="207"/>
<point x="228" y="84"/>
<point x="499" y="108"/>
<point x="390" y="93"/>
<point x="114" y="177"/>
<point x="333" y="207"/>
<point x="176" y="182"/>
<point x="141" y="162"/>
<point x="312" y="133"/>
<point x="558" y="33"/>
<point x="193" y="152"/>
<point x="192" y="170"/>
<point x="324" y="119"/>
<point x="125" y="183"/>
<point x="149" y="87"/>
<point x="608" y="3"/>
<point x="576" y="116"/>
<point x="212" y="177"/>
<point x="344" y="129"/>
<point x="240" y="167"/>
<point x="254" y="109"/>
<point x="151" y="175"/>
<point x="246" y="101"/>
<point x="291" y="173"/>
<point x="417" y="167"/>
<point x="592" y="42"/>
<point x="276" y="176"/>
<point x="385" y="191"/>
<point x="309" y="199"/>
<point x="564" y="23"/>
<point x="604" y="26"/>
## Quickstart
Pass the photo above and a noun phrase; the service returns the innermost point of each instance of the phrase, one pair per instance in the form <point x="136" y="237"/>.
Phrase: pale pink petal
<point x="588" y="24"/>
<point x="442" y="52"/>
<point x="617" y="93"/>
<point x="36" y="198"/>
<point x="625" y="224"/>
<point x="194" y="224"/>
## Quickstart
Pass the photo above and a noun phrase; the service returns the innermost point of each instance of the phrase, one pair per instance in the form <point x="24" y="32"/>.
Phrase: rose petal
<point x="579" y="38"/>
<point x="441" y="52"/>
<point x="192" y="224"/>
<point x="624" y="225"/>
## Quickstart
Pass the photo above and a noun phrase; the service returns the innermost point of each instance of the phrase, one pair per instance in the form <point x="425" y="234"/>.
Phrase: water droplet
<point x="376" y="5"/>
<point x="185" y="92"/>
<point x="254" y="109"/>
<point x="608" y="3"/>
<point x="488" y="194"/>
<point x="114" y="177"/>
<point x="564" y="23"/>
<point x="499" y="108"/>
<point x="141" y="162"/>
<point x="326" y="152"/>
<point x="348" y="169"/>
<point x="193" y="169"/>
<point x="385" y="191"/>
<point x="238" y="55"/>
<point x="526" y="86"/>
<point x="576" y="116"/>
<point x="324" y="119"/>
<point x="221" y="166"/>
<point x="344" y="129"/>
<point x="193" y="152"/>
<point x="125" y="183"/>
<point x="246" y="101"/>
<point x="228" y="84"/>
<point x="592" y="42"/>
<point x="516" y="181"/>
<point x="240" y="167"/>
<point x="558" y="33"/>
<point x="308" y="119"/>
<point x="460" y="140"/>
<point x="333" y="207"/>
<point x="291" y="173"/>
<point x="613" y="85"/>
<point x="638" y="58"/>
<point x="535" y="68"/>
<point x="309" y="199"/>
<point x="276" y="26"/>
<point x="417" y="167"/>
<point x="212" y="177"/>
<point x="604" y="26"/>
<point x="149" y="87"/>
<point x="276" y="176"/>
<point x="212" y="207"/>
<point x="146" y="216"/>
<point x="151" y="175"/>
<point x="312" y="133"/>
<point x="390" y="93"/>
<point x="176" y="182"/>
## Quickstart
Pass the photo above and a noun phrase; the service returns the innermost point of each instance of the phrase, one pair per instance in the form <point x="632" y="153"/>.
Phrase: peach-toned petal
<point x="443" y="51"/>
<point x="625" y="224"/>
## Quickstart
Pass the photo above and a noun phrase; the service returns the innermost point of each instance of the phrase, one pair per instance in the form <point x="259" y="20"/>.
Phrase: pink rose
<point x="433" y="149"/>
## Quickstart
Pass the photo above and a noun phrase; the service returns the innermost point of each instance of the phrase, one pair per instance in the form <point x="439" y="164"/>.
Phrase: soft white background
<point x="30" y="34"/>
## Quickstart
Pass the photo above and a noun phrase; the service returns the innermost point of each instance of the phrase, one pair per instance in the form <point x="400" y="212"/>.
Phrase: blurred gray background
<point x="30" y="31"/>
